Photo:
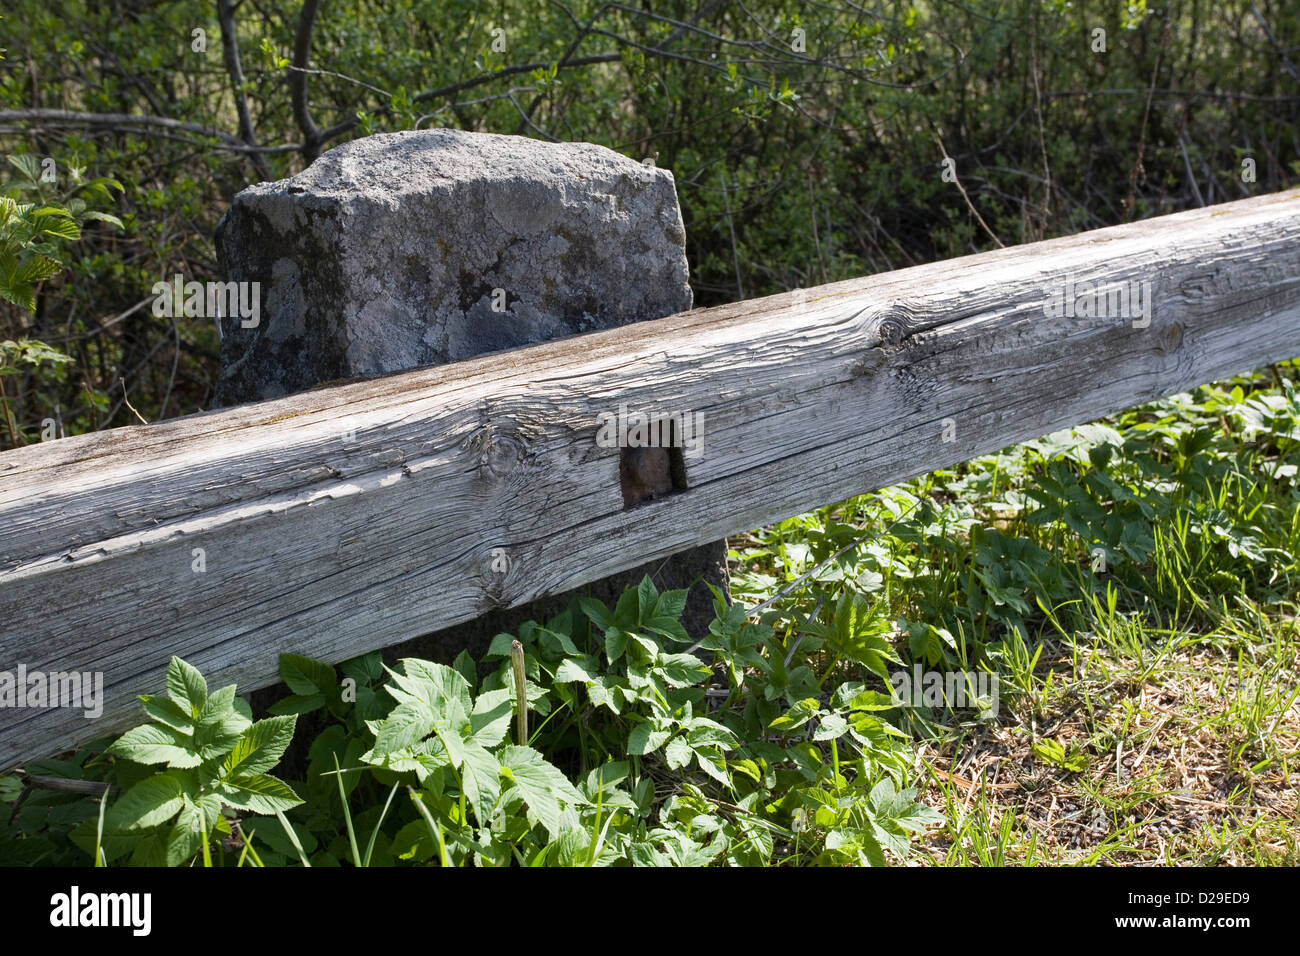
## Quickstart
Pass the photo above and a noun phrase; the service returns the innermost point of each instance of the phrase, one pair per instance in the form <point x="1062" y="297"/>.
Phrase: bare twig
<point x="1142" y="132"/>
<point x="63" y="785"/>
<point x="339" y="76"/>
<point x="731" y="225"/>
<point x="115" y="319"/>
<point x="1042" y="136"/>
<point x="1277" y="48"/>
<point x="1191" y="176"/>
<point x="118" y="120"/>
<point x="469" y="84"/>
<point x="812" y="208"/>
<point x="129" y="405"/>
<point x="969" y="205"/>
<point x="171" y="382"/>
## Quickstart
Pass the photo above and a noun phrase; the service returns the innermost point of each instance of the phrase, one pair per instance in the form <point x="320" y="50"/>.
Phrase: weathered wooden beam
<point x="346" y="519"/>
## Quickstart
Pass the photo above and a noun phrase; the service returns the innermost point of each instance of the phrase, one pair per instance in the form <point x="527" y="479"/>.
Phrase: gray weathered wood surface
<point x="329" y="545"/>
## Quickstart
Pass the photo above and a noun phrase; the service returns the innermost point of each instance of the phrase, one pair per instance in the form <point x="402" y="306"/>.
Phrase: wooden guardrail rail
<point x="352" y="517"/>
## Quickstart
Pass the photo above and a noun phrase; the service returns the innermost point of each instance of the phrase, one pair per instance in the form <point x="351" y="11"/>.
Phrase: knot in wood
<point x="494" y="595"/>
<point x="494" y="578"/>
<point x="1171" y="337"/>
<point x="890" y="332"/>
<point x="893" y="325"/>
<point x="498" y="454"/>
<point x="502" y="454"/>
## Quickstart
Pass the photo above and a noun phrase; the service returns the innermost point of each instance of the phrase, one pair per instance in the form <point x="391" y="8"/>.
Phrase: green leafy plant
<point x="630" y="757"/>
<point x="32" y="238"/>
<point x="199" y="758"/>
<point x="1073" y="759"/>
<point x="32" y="233"/>
<point x="447" y="737"/>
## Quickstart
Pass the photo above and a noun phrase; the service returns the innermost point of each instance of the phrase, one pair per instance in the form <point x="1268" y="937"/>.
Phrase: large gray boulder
<point x="433" y="246"/>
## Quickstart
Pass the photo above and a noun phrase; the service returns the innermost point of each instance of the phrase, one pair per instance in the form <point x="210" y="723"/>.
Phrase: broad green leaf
<point x="220" y="703"/>
<point x="500" y="646"/>
<point x="543" y="786"/>
<point x="38" y="269"/>
<point x="28" y="165"/>
<point x="59" y="227"/>
<point x="714" y="766"/>
<point x="607" y="691"/>
<point x="450" y="733"/>
<point x="481" y="776"/>
<point x="796" y="716"/>
<point x="870" y="852"/>
<point x="557" y="639"/>
<point x="858" y="632"/>
<point x="169" y="713"/>
<point x="650" y="645"/>
<point x="103" y="217"/>
<point x="149" y="849"/>
<point x="606" y="776"/>
<point x="872" y="700"/>
<point x="597" y="612"/>
<point x="670" y="605"/>
<point x="186" y="686"/>
<point x="682" y="670"/>
<point x="306" y="676"/>
<point x="705" y="732"/>
<point x="625" y="611"/>
<point x="585" y="669"/>
<point x="490" y="721"/>
<point x="872" y="732"/>
<point x="219" y="724"/>
<point x="667" y="627"/>
<point x="678" y="753"/>
<point x="615" y="642"/>
<point x="438" y="685"/>
<point x="364" y="669"/>
<point x="150" y="744"/>
<point x="644" y="854"/>
<point x="20" y="294"/>
<point x="414" y="842"/>
<point x="154" y="800"/>
<point x="408" y="724"/>
<point x="647" y="596"/>
<point x="831" y="727"/>
<point x="646" y="739"/>
<point x="186" y="835"/>
<point x="259" y="793"/>
<point x="464" y="666"/>
<point x="260" y="747"/>
<point x="572" y="847"/>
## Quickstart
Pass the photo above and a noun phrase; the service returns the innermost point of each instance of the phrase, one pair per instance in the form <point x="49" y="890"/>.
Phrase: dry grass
<point x="1181" y="753"/>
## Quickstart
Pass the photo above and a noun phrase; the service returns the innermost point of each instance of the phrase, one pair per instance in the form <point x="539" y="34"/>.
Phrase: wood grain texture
<point x="331" y="544"/>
